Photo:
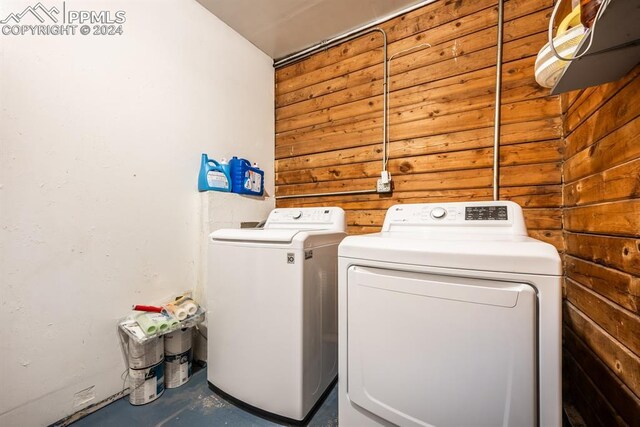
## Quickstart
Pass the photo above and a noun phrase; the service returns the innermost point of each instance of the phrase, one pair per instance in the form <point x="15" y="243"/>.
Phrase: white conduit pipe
<point x="335" y="193"/>
<point x="496" y="120"/>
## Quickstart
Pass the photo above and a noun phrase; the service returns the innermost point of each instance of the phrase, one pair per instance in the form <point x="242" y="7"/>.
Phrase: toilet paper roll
<point x="148" y="325"/>
<point x="177" y="311"/>
<point x="177" y="342"/>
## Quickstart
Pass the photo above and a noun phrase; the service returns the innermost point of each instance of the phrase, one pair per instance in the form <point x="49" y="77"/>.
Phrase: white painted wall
<point x="100" y="142"/>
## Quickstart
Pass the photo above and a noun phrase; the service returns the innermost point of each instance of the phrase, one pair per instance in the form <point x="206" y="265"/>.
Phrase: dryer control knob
<point x="438" y="213"/>
<point x="297" y="215"/>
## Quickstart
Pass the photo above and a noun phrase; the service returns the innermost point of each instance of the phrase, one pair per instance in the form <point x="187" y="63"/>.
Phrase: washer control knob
<point x="438" y="213"/>
<point x="297" y="215"/>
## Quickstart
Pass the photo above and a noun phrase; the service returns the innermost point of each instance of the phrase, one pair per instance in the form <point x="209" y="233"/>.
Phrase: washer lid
<point x="254" y="235"/>
<point x="503" y="253"/>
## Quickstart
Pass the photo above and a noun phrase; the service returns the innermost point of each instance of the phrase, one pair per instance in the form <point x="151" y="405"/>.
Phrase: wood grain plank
<point x="543" y="219"/>
<point x="439" y="18"/>
<point x="620" y="323"/>
<point x="533" y="174"/>
<point x="620" y="182"/>
<point x="533" y="152"/>
<point x="513" y="9"/>
<point x="615" y="252"/>
<point x="522" y="154"/>
<point x="618" y="111"/>
<point x="473" y="178"/>
<point x="514" y="30"/>
<point x="615" y="218"/>
<point x="603" y="360"/>
<point x="619" y="287"/>
<point x="582" y="95"/>
<point x="532" y="197"/>
<point x="516" y="176"/>
<point x="594" y="98"/>
<point x="553" y="237"/>
<point x="475" y="88"/>
<point x="536" y="196"/>
<point x="369" y="217"/>
<point x="570" y="99"/>
<point x="362" y="61"/>
<point x="512" y="133"/>
<point x="515" y="73"/>
<point x="381" y="201"/>
<point x="618" y="147"/>
<point x="368" y="81"/>
<point x="451" y="20"/>
<point x="446" y="68"/>
<point x="415" y="125"/>
<point x="542" y="151"/>
<point x="360" y="229"/>
<point x="468" y="159"/>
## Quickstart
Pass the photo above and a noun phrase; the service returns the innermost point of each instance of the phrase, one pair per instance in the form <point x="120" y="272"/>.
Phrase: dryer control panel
<point x="323" y="218"/>
<point x="501" y="217"/>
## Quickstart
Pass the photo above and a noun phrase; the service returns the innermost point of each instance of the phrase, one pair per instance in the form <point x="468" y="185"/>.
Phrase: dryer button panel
<point x="502" y="217"/>
<point x="486" y="213"/>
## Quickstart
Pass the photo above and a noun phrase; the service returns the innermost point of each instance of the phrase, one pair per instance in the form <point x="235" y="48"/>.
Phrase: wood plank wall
<point x="329" y="133"/>
<point x="329" y="117"/>
<point x="602" y="261"/>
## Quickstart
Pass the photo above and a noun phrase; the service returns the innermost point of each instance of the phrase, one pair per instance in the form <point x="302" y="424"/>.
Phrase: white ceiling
<point x="283" y="27"/>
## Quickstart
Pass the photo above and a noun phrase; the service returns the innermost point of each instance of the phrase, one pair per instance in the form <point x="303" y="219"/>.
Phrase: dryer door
<point x="430" y="350"/>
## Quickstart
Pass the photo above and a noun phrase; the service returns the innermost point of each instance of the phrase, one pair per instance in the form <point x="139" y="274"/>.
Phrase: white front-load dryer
<point x="449" y="317"/>
<point x="272" y="311"/>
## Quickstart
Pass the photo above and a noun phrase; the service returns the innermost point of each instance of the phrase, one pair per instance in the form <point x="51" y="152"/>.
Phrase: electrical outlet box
<point x="383" y="187"/>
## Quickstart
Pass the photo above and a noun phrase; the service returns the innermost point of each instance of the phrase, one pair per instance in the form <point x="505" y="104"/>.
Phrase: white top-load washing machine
<point x="449" y="317"/>
<point x="272" y="311"/>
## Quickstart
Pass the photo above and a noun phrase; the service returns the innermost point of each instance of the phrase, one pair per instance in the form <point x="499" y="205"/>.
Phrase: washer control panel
<point x="323" y="218"/>
<point x="480" y="216"/>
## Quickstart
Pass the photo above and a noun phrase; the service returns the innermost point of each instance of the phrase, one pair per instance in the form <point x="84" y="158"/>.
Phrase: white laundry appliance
<point x="272" y="311"/>
<point x="449" y="317"/>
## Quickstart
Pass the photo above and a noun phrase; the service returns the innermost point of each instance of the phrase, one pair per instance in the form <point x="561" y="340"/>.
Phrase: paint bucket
<point x="179" y="357"/>
<point x="146" y="385"/>
<point x="178" y="368"/>
<point x="147" y="354"/>
<point x="177" y="342"/>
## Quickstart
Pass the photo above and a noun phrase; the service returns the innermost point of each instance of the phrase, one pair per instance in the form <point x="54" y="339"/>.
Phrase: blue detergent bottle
<point x="213" y="175"/>
<point x="245" y="178"/>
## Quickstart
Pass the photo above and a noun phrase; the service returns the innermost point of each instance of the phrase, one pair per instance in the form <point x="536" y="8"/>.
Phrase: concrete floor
<point x="194" y="404"/>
